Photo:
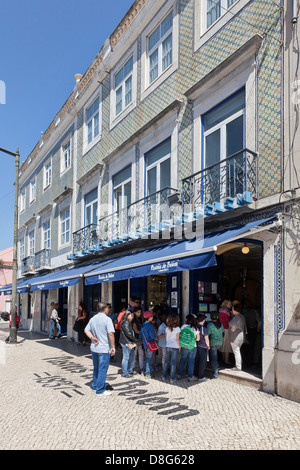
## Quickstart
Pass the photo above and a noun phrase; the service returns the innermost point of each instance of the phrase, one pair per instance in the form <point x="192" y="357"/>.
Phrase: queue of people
<point x="146" y="336"/>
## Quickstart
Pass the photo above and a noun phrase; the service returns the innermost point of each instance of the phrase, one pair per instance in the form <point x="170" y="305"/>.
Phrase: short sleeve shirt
<point x="100" y="325"/>
<point x="171" y="337"/>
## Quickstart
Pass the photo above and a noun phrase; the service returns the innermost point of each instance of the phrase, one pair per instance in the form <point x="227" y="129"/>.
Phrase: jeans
<point x="171" y="357"/>
<point x="52" y="326"/>
<point x="188" y="355"/>
<point x="213" y="352"/>
<point x="148" y="361"/>
<point x="101" y="363"/>
<point x="139" y="352"/>
<point x="127" y="360"/>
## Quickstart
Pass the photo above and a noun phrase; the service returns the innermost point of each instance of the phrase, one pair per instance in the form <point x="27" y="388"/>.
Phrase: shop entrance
<point x="242" y="280"/>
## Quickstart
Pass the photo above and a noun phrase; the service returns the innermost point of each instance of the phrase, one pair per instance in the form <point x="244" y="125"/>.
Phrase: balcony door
<point x="224" y="136"/>
<point x="91" y="208"/>
<point x="122" y="201"/>
<point x="158" y="180"/>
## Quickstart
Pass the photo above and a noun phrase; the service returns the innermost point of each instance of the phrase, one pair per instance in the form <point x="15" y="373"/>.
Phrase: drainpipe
<point x="295" y="12"/>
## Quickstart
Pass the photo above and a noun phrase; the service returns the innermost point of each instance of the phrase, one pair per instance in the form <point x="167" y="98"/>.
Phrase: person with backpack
<point x="216" y="333"/>
<point x="188" y="338"/>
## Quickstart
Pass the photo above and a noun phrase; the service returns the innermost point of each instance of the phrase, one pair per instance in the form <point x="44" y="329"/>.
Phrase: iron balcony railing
<point x="85" y="237"/>
<point x="40" y="260"/>
<point x="234" y="175"/>
<point x="139" y="217"/>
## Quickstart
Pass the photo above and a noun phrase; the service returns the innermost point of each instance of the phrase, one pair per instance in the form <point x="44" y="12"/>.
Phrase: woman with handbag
<point x="148" y="336"/>
<point x="128" y="344"/>
<point x="80" y="323"/>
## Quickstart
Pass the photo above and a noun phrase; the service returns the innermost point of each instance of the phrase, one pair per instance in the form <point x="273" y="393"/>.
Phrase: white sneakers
<point x="106" y="393"/>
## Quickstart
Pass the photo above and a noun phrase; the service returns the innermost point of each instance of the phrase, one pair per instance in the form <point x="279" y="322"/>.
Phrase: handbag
<point x="76" y="326"/>
<point x="152" y="345"/>
<point x="131" y="345"/>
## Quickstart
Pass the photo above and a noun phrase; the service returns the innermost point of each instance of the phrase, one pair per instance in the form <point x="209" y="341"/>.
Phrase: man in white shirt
<point x="100" y="330"/>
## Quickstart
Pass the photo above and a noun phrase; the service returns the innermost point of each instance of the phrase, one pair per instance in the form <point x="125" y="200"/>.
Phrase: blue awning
<point x="64" y="278"/>
<point x="175" y="256"/>
<point x="22" y="287"/>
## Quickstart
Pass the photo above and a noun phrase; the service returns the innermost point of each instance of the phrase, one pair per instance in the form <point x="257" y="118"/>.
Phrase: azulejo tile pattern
<point x="261" y="17"/>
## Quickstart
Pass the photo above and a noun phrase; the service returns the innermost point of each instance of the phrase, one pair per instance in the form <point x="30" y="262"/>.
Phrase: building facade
<point x="177" y="148"/>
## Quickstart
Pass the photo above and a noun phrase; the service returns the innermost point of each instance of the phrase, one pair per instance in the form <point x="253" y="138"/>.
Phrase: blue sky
<point x="42" y="45"/>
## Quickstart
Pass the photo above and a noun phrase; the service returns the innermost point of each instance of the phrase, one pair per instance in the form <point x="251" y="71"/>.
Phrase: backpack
<point x="187" y="338"/>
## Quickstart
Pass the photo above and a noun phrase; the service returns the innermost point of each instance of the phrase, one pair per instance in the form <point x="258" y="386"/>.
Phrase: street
<point x="47" y="404"/>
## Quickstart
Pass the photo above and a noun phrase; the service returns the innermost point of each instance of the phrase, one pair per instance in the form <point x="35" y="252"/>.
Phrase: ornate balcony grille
<point x="145" y="212"/>
<point x="85" y="238"/>
<point x="234" y="175"/>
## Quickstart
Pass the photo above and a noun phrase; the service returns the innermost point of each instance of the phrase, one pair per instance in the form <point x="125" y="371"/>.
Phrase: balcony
<point x="85" y="238"/>
<point x="228" y="184"/>
<point x="141" y="218"/>
<point x="38" y="262"/>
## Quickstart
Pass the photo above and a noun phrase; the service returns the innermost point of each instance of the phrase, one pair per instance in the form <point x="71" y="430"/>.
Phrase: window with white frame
<point x="91" y="208"/>
<point x="214" y="9"/>
<point x="158" y="167"/>
<point x="224" y="137"/>
<point x="47" y="174"/>
<point x="33" y="189"/>
<point x="22" y="200"/>
<point x="66" y="156"/>
<point x="47" y="235"/>
<point x="123" y="86"/>
<point x="31" y="243"/>
<point x="22" y="249"/>
<point x="223" y="129"/>
<point x="92" y="120"/>
<point x="160" y="46"/>
<point x="65" y="226"/>
<point x="122" y="189"/>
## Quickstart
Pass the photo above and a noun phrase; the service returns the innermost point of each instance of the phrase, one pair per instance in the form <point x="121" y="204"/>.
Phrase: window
<point x="22" y="201"/>
<point x="158" y="167"/>
<point x="223" y="129"/>
<point x="31" y="243"/>
<point x="160" y="48"/>
<point x="22" y="249"/>
<point x="92" y="121"/>
<point x="215" y="9"/>
<point x="66" y="157"/>
<point x="91" y="208"/>
<point x="122" y="189"/>
<point x="123" y="86"/>
<point x="65" y="226"/>
<point x="47" y="235"/>
<point x="224" y="136"/>
<point x="32" y="190"/>
<point x="48" y="174"/>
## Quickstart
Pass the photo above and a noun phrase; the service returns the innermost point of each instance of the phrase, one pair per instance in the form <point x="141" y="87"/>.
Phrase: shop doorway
<point x="44" y="311"/>
<point x="242" y="273"/>
<point x="120" y="295"/>
<point x="63" y="309"/>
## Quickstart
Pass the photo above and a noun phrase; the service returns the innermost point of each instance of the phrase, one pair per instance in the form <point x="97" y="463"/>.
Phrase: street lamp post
<point x="13" y="330"/>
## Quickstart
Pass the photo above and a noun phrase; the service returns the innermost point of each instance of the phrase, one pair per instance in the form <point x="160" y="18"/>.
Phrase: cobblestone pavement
<point x="47" y="403"/>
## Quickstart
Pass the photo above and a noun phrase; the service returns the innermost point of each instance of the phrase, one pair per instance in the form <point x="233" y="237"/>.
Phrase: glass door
<point x="224" y="136"/>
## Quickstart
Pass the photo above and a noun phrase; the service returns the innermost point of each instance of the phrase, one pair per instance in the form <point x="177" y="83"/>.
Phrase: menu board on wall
<point x="207" y="297"/>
